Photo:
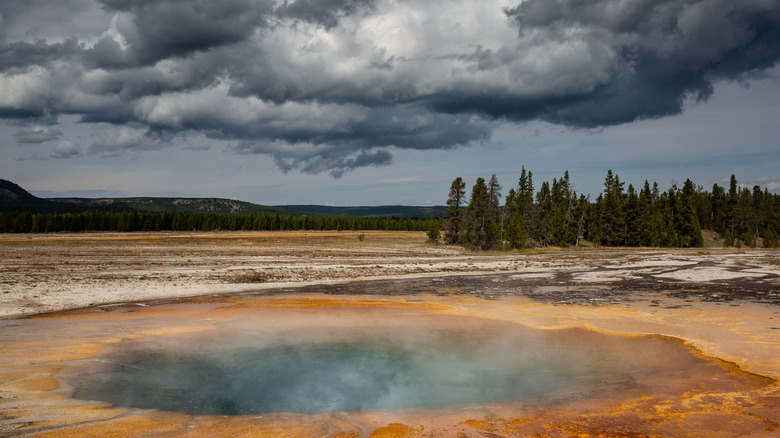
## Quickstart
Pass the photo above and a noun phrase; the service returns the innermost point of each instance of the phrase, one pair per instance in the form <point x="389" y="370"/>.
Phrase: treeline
<point x="26" y="222"/>
<point x="556" y="215"/>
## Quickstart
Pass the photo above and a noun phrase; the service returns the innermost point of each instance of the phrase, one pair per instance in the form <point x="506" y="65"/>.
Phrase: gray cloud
<point x="326" y="13"/>
<point x="128" y="140"/>
<point x="332" y="85"/>
<point x="156" y="30"/>
<point x="65" y="149"/>
<point x="664" y="51"/>
<point x="19" y="55"/>
<point x="37" y="134"/>
<point x="47" y="20"/>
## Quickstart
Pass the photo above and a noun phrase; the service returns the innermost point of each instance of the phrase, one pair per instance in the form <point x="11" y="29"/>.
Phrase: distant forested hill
<point x="378" y="211"/>
<point x="161" y="205"/>
<point x="15" y="198"/>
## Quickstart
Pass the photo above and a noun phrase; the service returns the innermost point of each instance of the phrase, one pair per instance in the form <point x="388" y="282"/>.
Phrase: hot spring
<point x="338" y="360"/>
<point x="318" y="365"/>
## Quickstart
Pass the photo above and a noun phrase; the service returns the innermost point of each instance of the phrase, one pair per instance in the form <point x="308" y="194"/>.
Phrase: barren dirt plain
<point x="64" y="297"/>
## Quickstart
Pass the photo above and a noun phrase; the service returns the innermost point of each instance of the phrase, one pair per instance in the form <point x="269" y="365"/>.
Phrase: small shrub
<point x="434" y="234"/>
<point x="361" y="236"/>
<point x="250" y="277"/>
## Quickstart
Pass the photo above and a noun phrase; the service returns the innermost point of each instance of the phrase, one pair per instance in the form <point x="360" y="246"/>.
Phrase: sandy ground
<point x="723" y="303"/>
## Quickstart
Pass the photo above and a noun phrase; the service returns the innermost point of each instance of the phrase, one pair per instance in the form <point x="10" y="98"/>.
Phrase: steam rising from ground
<point x="395" y="364"/>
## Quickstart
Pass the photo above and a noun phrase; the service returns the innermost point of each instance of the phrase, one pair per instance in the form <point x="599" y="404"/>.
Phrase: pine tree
<point x="772" y="232"/>
<point x="477" y="217"/>
<point x="732" y="206"/>
<point x="613" y="220"/>
<point x="525" y="198"/>
<point x="494" y="224"/>
<point x="518" y="211"/>
<point x="759" y="212"/>
<point x="634" y="218"/>
<point x="718" y="207"/>
<point x="543" y="218"/>
<point x="594" y="220"/>
<point x="509" y="210"/>
<point x="704" y="208"/>
<point x="494" y="193"/>
<point x="562" y="213"/>
<point x="687" y="217"/>
<point x="746" y="218"/>
<point x="516" y="233"/>
<point x="581" y="212"/>
<point x="645" y="214"/>
<point x="514" y="224"/>
<point x="433" y="232"/>
<point x="455" y="200"/>
<point x="667" y="208"/>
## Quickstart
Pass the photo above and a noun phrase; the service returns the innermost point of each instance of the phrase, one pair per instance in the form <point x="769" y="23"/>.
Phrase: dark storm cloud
<point x="331" y="85"/>
<point x="333" y="138"/>
<point x="19" y="55"/>
<point x="337" y="165"/>
<point x="665" y="51"/>
<point x="156" y="30"/>
<point x="172" y="28"/>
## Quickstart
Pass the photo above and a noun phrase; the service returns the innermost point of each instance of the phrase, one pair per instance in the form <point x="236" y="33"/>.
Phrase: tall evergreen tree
<point x="455" y="200"/>
<point x="634" y="219"/>
<point x="644" y="213"/>
<point x="518" y="211"/>
<point x="495" y="224"/>
<point x="667" y="205"/>
<point x="510" y="208"/>
<point x="543" y="218"/>
<point x="746" y="218"/>
<point x="581" y="212"/>
<point x="613" y="219"/>
<point x="759" y="212"/>
<point x="525" y="196"/>
<point x="731" y="219"/>
<point x="704" y="208"/>
<point x="478" y="217"/>
<point x="717" y="208"/>
<point x="772" y="231"/>
<point x="594" y="220"/>
<point x="516" y="233"/>
<point x="562" y="212"/>
<point x="687" y="218"/>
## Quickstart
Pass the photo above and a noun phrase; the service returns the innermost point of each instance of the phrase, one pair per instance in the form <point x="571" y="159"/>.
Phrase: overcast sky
<point x="368" y="102"/>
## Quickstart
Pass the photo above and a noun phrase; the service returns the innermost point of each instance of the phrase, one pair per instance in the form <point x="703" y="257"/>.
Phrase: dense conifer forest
<point x="555" y="215"/>
<point x="127" y="221"/>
